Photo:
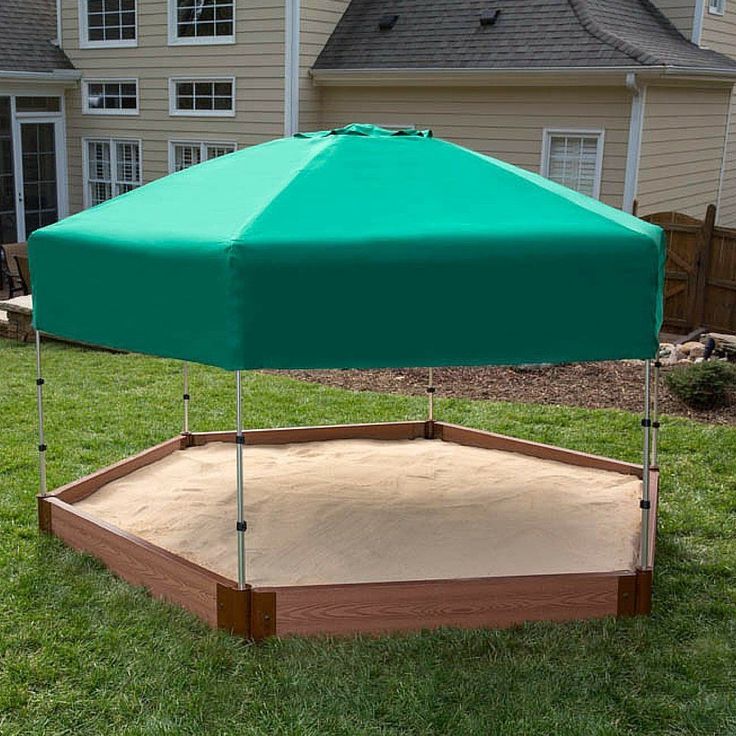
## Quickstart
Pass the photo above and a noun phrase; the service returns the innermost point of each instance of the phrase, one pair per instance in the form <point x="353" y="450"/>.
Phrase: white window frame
<point x="87" y="110"/>
<point x="203" y="147"/>
<point x="599" y="133"/>
<point x="85" y="43"/>
<point x="200" y="113"/>
<point x="174" y="40"/>
<point x="112" y="140"/>
<point x="717" y="7"/>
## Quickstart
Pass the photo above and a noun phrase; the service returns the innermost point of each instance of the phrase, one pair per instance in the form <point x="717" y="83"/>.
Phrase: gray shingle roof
<point x="26" y="30"/>
<point x="531" y="34"/>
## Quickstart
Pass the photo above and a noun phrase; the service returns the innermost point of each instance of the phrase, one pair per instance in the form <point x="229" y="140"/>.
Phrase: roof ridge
<point x="594" y="28"/>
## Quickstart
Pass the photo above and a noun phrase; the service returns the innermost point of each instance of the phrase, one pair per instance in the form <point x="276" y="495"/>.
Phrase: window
<point x="107" y="23"/>
<point x="201" y="21"/>
<point x="183" y="154"/>
<point x="716" y="7"/>
<point x="110" y="97"/>
<point x="574" y="159"/>
<point x="111" y="167"/>
<point x="211" y="97"/>
<point x="38" y="104"/>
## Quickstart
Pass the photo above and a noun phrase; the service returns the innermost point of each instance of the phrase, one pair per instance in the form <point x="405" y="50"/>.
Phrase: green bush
<point x="703" y="385"/>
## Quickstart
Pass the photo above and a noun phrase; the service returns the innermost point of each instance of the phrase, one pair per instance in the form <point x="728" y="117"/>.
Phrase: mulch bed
<point x="618" y="385"/>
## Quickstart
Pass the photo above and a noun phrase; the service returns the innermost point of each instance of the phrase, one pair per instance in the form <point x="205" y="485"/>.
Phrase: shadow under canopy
<point x="354" y="248"/>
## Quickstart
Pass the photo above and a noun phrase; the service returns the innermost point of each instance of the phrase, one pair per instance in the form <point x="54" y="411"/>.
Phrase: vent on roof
<point x="388" y="21"/>
<point x="490" y="17"/>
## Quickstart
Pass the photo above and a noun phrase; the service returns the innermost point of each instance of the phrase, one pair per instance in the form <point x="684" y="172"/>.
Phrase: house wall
<point x="682" y="148"/>
<point x="505" y="122"/>
<point x="256" y="60"/>
<point x="680" y="12"/>
<point x="318" y="20"/>
<point x="719" y="31"/>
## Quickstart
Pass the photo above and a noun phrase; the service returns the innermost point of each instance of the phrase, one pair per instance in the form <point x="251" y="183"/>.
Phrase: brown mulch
<point x="617" y="385"/>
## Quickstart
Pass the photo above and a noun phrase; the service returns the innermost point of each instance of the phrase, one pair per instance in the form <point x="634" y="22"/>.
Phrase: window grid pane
<point x="204" y="18"/>
<point x="215" y="150"/>
<point x="186" y="154"/>
<point x="573" y="162"/>
<point x="204" y="96"/>
<point x="111" y="20"/>
<point x="113" y="167"/>
<point x="112" y="95"/>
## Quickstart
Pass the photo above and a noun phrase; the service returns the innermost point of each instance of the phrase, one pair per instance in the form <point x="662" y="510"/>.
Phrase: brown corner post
<point x="429" y="429"/>
<point x="246" y="612"/>
<point x="644" y="579"/>
<point x="262" y="615"/>
<point x="626" y="596"/>
<point x="233" y="609"/>
<point x="44" y="514"/>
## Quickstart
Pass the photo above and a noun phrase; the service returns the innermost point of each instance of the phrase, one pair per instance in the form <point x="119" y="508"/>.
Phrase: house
<point x="625" y="100"/>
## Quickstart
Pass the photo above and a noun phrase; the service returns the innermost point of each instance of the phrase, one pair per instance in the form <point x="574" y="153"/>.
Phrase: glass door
<point x="8" y="231"/>
<point x="39" y="193"/>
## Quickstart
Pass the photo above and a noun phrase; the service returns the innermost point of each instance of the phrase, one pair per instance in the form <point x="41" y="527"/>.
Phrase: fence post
<point x="702" y="267"/>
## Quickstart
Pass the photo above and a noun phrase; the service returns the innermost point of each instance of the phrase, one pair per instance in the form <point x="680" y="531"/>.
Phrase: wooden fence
<point x="700" y="286"/>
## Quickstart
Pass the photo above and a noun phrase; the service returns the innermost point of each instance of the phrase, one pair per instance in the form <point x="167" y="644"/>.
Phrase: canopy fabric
<point x="353" y="248"/>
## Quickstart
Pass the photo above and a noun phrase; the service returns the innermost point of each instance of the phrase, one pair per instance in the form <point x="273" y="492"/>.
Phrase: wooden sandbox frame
<point x="351" y="608"/>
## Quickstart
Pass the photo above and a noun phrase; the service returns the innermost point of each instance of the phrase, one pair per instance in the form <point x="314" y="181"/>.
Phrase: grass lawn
<point x="83" y="653"/>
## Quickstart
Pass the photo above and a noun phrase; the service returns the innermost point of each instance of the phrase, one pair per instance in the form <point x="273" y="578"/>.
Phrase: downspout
<point x="636" y="127"/>
<point x="698" y="16"/>
<point x="291" y="67"/>
<point x="57" y="41"/>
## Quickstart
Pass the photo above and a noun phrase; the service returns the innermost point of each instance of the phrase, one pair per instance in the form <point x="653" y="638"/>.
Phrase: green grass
<point x="83" y="653"/>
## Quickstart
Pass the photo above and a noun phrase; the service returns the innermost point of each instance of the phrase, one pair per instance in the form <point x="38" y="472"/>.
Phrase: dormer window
<point x="201" y="21"/>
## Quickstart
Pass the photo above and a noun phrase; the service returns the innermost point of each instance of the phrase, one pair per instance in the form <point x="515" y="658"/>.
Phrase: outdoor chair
<point x="24" y="272"/>
<point x="13" y="280"/>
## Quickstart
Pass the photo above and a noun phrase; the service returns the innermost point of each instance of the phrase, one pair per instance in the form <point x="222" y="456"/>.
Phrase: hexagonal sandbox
<point x="357" y="528"/>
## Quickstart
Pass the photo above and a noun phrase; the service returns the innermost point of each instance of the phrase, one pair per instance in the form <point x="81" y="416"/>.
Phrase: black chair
<point x="13" y="280"/>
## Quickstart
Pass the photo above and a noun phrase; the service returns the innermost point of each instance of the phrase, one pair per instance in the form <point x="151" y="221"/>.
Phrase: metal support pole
<point x="239" y="442"/>
<point x="645" y="503"/>
<point x="39" y="402"/>
<point x="430" y="395"/>
<point x="655" y="415"/>
<point x="186" y="398"/>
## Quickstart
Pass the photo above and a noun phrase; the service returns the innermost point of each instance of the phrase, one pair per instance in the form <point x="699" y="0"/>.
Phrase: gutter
<point x="424" y="75"/>
<point x="57" y="75"/>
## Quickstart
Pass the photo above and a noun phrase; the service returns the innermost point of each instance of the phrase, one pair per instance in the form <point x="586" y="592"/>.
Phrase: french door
<point x="40" y="171"/>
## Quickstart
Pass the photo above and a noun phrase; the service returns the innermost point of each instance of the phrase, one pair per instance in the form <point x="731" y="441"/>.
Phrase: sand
<point x="366" y="510"/>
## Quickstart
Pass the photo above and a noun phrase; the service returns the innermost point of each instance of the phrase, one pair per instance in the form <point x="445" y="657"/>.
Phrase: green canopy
<point x="358" y="247"/>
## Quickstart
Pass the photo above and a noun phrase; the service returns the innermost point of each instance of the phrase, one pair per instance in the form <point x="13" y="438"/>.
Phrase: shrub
<point x="703" y="385"/>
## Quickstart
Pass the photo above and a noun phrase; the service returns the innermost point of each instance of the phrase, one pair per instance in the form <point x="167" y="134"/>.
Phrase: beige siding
<point x="318" y="20"/>
<point x="256" y="61"/>
<point x="680" y="12"/>
<point x="507" y="123"/>
<point x="682" y="149"/>
<point x="719" y="31"/>
<point x="727" y="200"/>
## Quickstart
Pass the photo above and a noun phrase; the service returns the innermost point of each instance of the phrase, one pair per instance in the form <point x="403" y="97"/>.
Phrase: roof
<point x="437" y="34"/>
<point x="27" y="28"/>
